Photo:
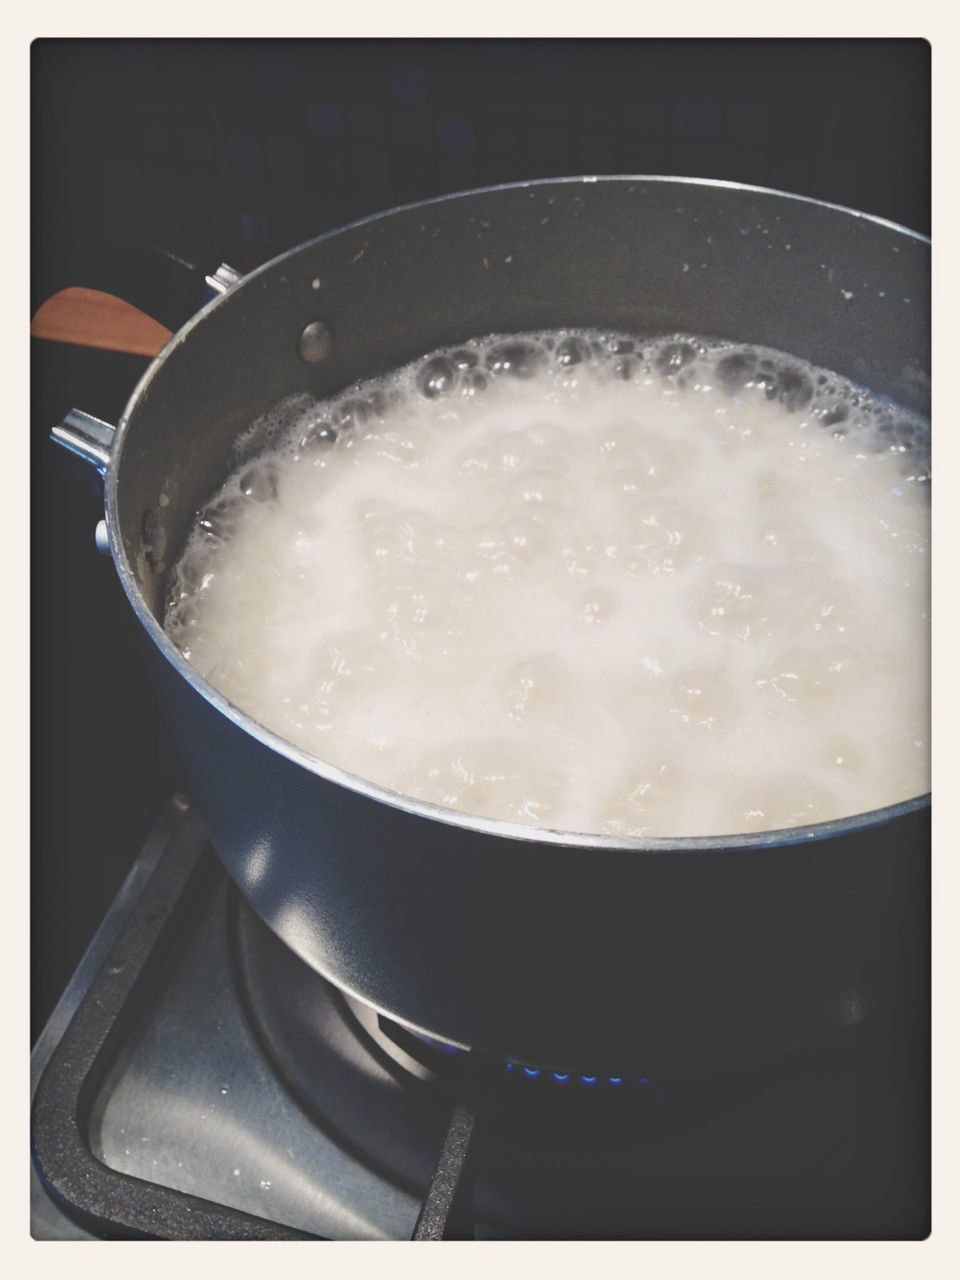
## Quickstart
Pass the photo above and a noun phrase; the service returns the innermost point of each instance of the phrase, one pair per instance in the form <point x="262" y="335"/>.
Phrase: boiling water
<point x="583" y="582"/>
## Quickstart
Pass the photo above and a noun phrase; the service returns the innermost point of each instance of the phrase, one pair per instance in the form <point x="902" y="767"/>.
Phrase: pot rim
<point x="814" y="832"/>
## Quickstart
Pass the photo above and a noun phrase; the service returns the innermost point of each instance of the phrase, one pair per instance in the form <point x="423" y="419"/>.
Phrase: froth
<point x="581" y="580"/>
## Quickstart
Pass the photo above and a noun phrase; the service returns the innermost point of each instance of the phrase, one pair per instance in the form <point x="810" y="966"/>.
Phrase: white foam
<point x="584" y="582"/>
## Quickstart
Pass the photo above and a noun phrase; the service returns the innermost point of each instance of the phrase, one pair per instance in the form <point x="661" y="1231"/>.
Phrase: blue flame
<point x="564" y="1077"/>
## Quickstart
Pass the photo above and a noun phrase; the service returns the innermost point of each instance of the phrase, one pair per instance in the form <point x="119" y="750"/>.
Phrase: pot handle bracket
<point x="219" y="281"/>
<point x="91" y="439"/>
<point x="87" y="437"/>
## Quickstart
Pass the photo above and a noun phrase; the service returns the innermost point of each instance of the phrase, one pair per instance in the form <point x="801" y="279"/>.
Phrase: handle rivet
<point x="316" y="342"/>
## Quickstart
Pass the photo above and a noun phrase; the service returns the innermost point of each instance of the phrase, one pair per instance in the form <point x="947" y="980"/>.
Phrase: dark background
<point x="153" y="161"/>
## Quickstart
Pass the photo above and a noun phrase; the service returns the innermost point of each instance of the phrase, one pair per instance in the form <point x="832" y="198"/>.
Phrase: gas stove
<point x="198" y="1081"/>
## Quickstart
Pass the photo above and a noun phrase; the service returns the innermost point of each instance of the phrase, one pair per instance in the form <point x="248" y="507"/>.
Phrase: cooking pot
<point x="666" y="956"/>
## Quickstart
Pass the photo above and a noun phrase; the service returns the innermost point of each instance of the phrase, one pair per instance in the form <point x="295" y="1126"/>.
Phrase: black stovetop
<point x="171" y="1101"/>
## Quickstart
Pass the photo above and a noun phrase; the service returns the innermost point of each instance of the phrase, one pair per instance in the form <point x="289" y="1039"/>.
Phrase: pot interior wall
<point x="648" y="257"/>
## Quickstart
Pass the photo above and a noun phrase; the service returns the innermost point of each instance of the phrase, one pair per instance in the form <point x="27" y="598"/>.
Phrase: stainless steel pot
<point x="670" y="956"/>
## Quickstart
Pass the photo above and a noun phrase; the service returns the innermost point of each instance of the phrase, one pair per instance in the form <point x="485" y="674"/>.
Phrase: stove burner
<point x="368" y="1130"/>
<point x="395" y="1087"/>
<point x="416" y="1047"/>
<point x="545" y="1134"/>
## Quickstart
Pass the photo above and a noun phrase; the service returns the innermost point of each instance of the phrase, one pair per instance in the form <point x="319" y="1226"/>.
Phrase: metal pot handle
<point x="91" y="439"/>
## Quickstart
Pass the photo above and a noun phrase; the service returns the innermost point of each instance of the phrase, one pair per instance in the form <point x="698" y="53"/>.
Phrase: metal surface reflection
<point x="192" y="1105"/>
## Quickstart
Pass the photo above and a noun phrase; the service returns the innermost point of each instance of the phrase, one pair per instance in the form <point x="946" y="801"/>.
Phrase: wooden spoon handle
<point x="89" y="318"/>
